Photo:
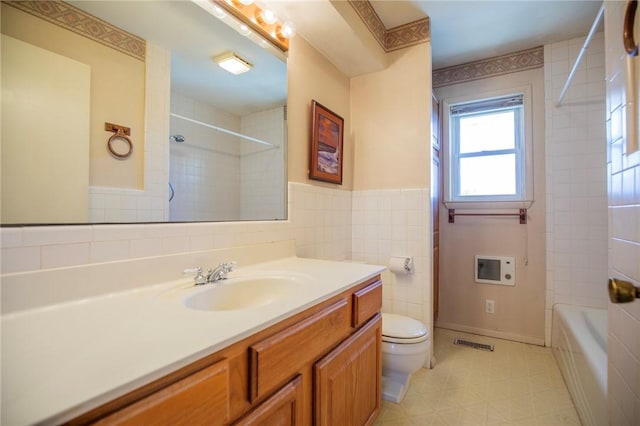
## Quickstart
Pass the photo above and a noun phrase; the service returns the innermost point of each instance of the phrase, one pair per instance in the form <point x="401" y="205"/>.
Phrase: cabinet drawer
<point x="284" y="408"/>
<point x="201" y="398"/>
<point x="366" y="303"/>
<point x="278" y="357"/>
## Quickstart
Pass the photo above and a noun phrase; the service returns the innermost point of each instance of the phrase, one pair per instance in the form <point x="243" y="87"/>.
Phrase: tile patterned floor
<point x="517" y="384"/>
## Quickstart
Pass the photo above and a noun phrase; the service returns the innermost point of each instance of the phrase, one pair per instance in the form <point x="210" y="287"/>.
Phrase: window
<point x="487" y="155"/>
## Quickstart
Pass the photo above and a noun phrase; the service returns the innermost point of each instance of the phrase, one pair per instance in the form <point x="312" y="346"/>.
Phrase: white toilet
<point x="405" y="348"/>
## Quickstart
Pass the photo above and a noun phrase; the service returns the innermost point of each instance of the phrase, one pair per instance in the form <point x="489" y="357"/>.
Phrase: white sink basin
<point x="243" y="293"/>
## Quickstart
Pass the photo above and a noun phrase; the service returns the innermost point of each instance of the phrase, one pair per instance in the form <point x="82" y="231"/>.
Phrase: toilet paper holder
<point x="401" y="264"/>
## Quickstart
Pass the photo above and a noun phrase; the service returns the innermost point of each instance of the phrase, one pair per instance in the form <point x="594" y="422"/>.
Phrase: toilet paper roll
<point x="401" y="265"/>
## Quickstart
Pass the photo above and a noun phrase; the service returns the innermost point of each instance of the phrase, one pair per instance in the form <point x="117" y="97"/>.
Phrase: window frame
<point x="523" y="150"/>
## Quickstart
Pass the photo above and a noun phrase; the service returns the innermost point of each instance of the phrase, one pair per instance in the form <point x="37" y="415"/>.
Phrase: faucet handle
<point x="198" y="278"/>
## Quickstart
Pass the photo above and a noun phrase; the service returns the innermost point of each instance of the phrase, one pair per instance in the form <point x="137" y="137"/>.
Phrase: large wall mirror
<point x="206" y="145"/>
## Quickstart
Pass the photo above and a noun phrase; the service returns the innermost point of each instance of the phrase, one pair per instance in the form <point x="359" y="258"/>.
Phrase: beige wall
<point x="117" y="93"/>
<point x="56" y="89"/>
<point x="520" y="310"/>
<point x="390" y="129"/>
<point x="312" y="76"/>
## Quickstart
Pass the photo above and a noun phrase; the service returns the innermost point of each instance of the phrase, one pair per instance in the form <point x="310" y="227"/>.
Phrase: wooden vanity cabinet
<point x="201" y="398"/>
<point x="348" y="380"/>
<point x="320" y="366"/>
<point x="278" y="357"/>
<point x="284" y="408"/>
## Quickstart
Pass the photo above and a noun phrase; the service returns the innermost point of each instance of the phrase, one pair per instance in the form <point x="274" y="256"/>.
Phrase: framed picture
<point x="327" y="129"/>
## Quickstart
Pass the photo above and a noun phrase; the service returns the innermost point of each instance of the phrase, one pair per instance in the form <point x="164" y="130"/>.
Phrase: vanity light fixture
<point x="260" y="19"/>
<point x="233" y="63"/>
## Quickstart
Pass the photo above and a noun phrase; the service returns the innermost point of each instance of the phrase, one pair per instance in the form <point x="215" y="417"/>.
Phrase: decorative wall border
<point x="80" y="22"/>
<point x="499" y="65"/>
<point x="395" y="38"/>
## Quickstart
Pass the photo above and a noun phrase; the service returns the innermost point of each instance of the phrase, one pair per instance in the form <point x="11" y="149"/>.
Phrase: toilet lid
<point x="401" y="327"/>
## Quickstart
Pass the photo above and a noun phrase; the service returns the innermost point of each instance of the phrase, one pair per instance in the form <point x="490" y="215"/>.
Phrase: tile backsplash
<point x="397" y="222"/>
<point x="319" y="221"/>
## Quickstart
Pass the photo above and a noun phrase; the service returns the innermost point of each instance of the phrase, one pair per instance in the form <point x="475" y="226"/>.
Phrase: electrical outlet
<point x="489" y="306"/>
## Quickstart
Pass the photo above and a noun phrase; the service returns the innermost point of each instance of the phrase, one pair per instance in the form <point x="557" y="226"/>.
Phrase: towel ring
<point x="121" y="132"/>
<point x="630" y="45"/>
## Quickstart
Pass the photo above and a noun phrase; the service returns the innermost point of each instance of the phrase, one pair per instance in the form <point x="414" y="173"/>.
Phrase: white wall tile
<point x="10" y="237"/>
<point x="624" y="205"/>
<point x="396" y="223"/>
<point x="19" y="259"/>
<point x="60" y="255"/>
<point x="146" y="247"/>
<point x="44" y="235"/>
<point x="108" y="251"/>
<point x="577" y="217"/>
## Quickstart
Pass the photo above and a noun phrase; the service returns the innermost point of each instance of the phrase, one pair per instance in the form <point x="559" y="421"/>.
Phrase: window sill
<point x="488" y="205"/>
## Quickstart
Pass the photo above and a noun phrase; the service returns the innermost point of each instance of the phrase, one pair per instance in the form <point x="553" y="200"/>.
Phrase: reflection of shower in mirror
<point x="176" y="138"/>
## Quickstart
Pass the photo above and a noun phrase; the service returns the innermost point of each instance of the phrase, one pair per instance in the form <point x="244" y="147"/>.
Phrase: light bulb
<point x="287" y="30"/>
<point x="218" y="12"/>
<point x="268" y="16"/>
<point x="244" y="30"/>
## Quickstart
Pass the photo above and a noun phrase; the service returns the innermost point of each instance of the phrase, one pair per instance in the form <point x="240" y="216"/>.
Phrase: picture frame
<point x="325" y="154"/>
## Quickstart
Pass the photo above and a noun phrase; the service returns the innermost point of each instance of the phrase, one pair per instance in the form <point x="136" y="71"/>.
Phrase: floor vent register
<point x="473" y="345"/>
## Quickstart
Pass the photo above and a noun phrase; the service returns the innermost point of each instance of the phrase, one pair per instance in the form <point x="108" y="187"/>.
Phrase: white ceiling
<point x="465" y="31"/>
<point x="461" y="30"/>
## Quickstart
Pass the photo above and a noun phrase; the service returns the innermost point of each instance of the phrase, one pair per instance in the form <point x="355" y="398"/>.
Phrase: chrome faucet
<point x="220" y="272"/>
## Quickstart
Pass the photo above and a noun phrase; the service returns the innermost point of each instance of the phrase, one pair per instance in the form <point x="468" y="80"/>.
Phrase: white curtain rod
<point x="587" y="41"/>
<point x="221" y="129"/>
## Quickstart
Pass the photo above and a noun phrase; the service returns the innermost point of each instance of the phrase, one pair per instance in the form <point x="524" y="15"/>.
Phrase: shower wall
<point x="217" y="176"/>
<point x="263" y="168"/>
<point x="204" y="170"/>
<point x="575" y="176"/>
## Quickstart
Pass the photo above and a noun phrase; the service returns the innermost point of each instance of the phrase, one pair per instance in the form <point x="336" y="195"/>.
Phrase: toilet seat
<point x="401" y="329"/>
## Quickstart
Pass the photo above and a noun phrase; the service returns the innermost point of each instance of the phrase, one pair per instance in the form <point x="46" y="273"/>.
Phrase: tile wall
<point x="219" y="175"/>
<point x="576" y="188"/>
<point x="204" y="170"/>
<point x="320" y="222"/>
<point x="397" y="222"/>
<point x="326" y="223"/>
<point x="262" y="167"/>
<point x="624" y="231"/>
<point x="321" y="219"/>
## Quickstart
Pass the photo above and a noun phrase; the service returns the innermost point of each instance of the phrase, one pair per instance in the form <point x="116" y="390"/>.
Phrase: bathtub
<point x="579" y="342"/>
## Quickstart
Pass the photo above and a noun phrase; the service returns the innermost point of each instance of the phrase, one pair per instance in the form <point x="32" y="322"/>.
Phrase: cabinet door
<point x="347" y="381"/>
<point x="284" y="408"/>
<point x="202" y="398"/>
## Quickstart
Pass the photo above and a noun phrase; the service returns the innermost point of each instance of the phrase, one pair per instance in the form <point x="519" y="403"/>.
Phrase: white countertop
<point x="63" y="360"/>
